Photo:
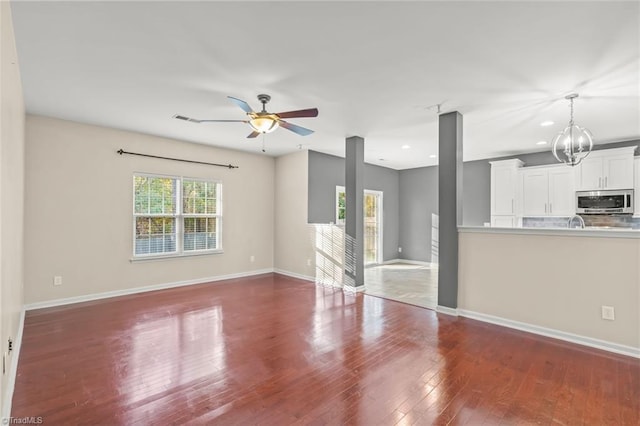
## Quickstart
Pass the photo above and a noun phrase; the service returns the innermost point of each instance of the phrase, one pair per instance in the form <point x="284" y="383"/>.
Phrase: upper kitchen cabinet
<point x="535" y="191"/>
<point x="606" y="169"/>
<point x="548" y="191"/>
<point x="504" y="186"/>
<point x="562" y="193"/>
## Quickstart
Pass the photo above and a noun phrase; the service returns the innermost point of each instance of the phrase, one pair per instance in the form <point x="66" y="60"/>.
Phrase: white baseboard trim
<point x="135" y="290"/>
<point x="411" y="262"/>
<point x="353" y="290"/>
<point x="447" y="310"/>
<point x="556" y="334"/>
<point x="13" y="369"/>
<point x="294" y="275"/>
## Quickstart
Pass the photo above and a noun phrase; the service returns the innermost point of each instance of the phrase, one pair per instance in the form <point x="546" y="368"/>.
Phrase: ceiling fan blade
<point x="185" y="118"/>
<point x="242" y="104"/>
<point x="222" y="121"/>
<point x="253" y="134"/>
<point x="311" y="112"/>
<point x="295" y="129"/>
<point x="195" y="120"/>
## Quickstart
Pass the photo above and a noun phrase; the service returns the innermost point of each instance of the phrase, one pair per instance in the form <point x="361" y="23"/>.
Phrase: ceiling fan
<point x="263" y="121"/>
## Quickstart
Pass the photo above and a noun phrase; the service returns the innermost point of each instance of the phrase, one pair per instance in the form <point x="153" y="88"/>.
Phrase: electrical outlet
<point x="57" y="280"/>
<point x="252" y="259"/>
<point x="308" y="262"/>
<point x="608" y="313"/>
<point x="10" y="346"/>
<point x="399" y="249"/>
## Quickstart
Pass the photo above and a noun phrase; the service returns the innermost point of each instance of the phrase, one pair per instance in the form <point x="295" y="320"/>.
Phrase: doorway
<point x="372" y="222"/>
<point x="372" y="227"/>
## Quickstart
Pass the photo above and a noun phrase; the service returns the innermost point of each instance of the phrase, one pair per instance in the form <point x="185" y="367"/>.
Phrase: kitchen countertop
<point x="573" y="232"/>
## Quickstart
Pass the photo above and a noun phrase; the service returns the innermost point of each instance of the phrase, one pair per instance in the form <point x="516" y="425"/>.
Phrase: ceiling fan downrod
<point x="264" y="99"/>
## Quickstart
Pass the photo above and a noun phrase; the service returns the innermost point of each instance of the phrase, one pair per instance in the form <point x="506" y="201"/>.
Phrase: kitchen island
<point x="554" y="282"/>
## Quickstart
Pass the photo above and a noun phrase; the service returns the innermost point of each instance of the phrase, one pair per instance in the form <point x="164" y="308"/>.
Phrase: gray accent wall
<point x="476" y="201"/>
<point x="327" y="171"/>
<point x="418" y="201"/>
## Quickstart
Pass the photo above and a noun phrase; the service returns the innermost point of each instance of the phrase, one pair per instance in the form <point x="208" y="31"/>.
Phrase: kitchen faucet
<point x="580" y="221"/>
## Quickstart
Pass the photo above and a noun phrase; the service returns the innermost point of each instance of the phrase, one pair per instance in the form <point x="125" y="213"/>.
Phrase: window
<point x="155" y="215"/>
<point x="165" y="226"/>
<point x="200" y="218"/>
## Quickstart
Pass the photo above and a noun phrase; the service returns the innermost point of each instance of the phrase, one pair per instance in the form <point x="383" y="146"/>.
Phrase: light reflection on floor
<point x="404" y="282"/>
<point x="154" y="350"/>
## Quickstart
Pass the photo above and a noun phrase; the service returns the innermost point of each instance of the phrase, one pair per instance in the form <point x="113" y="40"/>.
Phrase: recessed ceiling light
<point x="432" y="156"/>
<point x="547" y="123"/>
<point x="541" y="143"/>
<point x="380" y="159"/>
<point x="406" y="146"/>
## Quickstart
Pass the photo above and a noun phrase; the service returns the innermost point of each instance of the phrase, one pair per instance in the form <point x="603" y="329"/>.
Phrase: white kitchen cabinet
<point x="606" y="169"/>
<point x="618" y="171"/>
<point x="562" y="193"/>
<point x="548" y="191"/>
<point x="636" y="192"/>
<point x="535" y="192"/>
<point x="503" y="221"/>
<point x="589" y="173"/>
<point x="504" y="185"/>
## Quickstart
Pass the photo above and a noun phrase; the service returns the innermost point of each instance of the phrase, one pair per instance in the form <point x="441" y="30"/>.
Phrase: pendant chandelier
<point x="574" y="143"/>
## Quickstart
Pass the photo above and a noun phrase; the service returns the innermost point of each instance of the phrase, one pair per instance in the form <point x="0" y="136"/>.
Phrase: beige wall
<point x="12" y="117"/>
<point x="294" y="247"/>
<point x="79" y="209"/>
<point x="557" y="282"/>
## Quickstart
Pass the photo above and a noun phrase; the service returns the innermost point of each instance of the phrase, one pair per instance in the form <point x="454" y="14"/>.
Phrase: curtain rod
<point x="228" y="166"/>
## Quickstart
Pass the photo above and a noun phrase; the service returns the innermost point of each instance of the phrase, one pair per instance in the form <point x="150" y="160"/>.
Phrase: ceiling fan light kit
<point x="574" y="143"/>
<point x="263" y="122"/>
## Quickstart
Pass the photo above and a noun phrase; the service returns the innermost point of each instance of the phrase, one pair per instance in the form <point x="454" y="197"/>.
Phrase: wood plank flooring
<point x="274" y="350"/>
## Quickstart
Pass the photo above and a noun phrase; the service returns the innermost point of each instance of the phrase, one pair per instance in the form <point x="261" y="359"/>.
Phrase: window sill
<point x="174" y="256"/>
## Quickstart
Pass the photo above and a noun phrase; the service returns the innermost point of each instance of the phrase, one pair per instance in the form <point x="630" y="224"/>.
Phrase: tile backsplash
<point x="545" y="222"/>
<point x="622" y="221"/>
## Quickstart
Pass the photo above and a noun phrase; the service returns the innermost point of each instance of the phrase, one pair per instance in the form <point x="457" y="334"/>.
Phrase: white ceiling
<point x="373" y="69"/>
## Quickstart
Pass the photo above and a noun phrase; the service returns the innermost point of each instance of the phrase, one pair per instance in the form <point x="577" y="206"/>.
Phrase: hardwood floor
<point x="276" y="350"/>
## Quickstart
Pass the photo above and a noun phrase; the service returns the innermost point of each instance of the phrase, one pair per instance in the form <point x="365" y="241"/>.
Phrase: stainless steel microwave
<point x="604" y="202"/>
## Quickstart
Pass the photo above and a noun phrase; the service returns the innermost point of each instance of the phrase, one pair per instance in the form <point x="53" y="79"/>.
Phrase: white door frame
<point x="380" y="220"/>
<point x="379" y="216"/>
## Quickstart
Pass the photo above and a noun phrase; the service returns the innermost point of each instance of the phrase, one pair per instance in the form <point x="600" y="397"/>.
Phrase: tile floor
<point x="404" y="282"/>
